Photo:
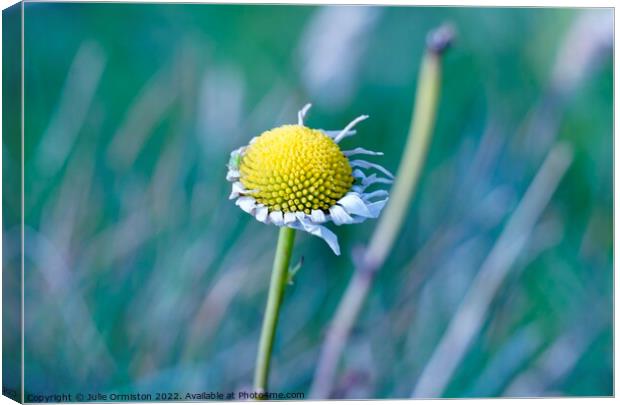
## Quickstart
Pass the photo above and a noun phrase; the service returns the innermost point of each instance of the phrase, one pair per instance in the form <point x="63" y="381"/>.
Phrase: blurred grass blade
<point x="470" y="316"/>
<point x="72" y="109"/>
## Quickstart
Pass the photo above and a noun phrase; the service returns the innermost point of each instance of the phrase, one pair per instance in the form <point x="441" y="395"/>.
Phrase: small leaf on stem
<point x="292" y="272"/>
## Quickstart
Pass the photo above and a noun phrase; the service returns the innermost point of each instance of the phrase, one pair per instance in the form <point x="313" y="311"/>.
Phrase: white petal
<point x="374" y="194"/>
<point x="361" y="151"/>
<point x="302" y="114"/>
<point x="334" y="133"/>
<point x="262" y="213"/>
<point x="357" y="173"/>
<point x="353" y="204"/>
<point x="237" y="190"/>
<point x="320" y="231"/>
<point x="367" y="165"/>
<point x="317" y="216"/>
<point x="276" y="218"/>
<point x="375" y="208"/>
<point x="345" y="132"/>
<point x="358" y="220"/>
<point x="373" y="178"/>
<point x="339" y="215"/>
<point x="368" y="181"/>
<point x="232" y="175"/>
<point x="289" y="218"/>
<point x="248" y="204"/>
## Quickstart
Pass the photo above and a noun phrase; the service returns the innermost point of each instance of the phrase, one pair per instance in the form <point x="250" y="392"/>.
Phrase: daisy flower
<point x="298" y="177"/>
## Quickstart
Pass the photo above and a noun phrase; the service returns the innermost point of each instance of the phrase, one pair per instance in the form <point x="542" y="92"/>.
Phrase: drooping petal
<point x="358" y="174"/>
<point x="357" y="219"/>
<point x="262" y="213"/>
<point x="361" y="151"/>
<point x="332" y="133"/>
<point x="289" y="218"/>
<point x="302" y="114"/>
<point x="369" y="181"/>
<point x="369" y="165"/>
<point x="375" y="208"/>
<point x="339" y="215"/>
<point x="237" y="190"/>
<point x="300" y="215"/>
<point x="248" y="204"/>
<point x="320" y="231"/>
<point x="345" y="132"/>
<point x="353" y="204"/>
<point x="317" y="216"/>
<point x="277" y="218"/>
<point x="232" y="175"/>
<point x="373" y="178"/>
<point x="375" y="194"/>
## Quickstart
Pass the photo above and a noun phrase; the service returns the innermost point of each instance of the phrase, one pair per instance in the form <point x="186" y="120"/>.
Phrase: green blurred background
<point x="142" y="276"/>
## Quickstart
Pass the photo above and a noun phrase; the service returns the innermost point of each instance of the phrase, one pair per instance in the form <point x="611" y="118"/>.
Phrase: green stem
<point x="420" y="134"/>
<point x="392" y="218"/>
<point x="281" y="263"/>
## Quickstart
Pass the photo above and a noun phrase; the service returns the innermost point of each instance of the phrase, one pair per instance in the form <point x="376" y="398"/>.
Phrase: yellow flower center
<point x="293" y="168"/>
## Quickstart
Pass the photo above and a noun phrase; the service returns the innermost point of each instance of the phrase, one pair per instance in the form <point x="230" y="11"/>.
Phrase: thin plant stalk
<point x="413" y="158"/>
<point x="388" y="228"/>
<point x="279" y="276"/>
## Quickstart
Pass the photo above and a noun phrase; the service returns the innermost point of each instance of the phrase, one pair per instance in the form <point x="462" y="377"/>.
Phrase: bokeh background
<point x="141" y="276"/>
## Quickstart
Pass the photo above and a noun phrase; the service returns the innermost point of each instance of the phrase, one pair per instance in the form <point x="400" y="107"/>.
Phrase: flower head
<point x="299" y="177"/>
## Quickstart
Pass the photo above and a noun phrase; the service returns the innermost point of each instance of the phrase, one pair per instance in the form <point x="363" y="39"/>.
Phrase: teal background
<point x="141" y="276"/>
<point x="11" y="202"/>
